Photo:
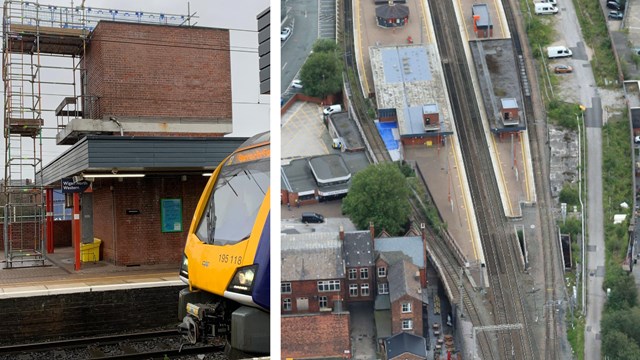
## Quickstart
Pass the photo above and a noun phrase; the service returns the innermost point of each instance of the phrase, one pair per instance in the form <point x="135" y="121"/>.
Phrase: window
<point x="353" y="274"/>
<point x="322" y="301"/>
<point x="329" y="285"/>
<point x="382" y="271"/>
<point x="383" y="288"/>
<point x="364" y="273"/>
<point x="353" y="290"/>
<point x="286" y="304"/>
<point x="406" y="307"/>
<point x="364" y="289"/>
<point x="285" y="288"/>
<point x="407" y="324"/>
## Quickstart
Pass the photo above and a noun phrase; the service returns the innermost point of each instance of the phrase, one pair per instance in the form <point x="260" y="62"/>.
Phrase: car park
<point x="562" y="69"/>
<point x="285" y="33"/>
<point x="615" y="15"/>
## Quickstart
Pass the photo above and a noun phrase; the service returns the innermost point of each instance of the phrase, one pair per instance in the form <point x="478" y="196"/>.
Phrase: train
<point x="226" y="259"/>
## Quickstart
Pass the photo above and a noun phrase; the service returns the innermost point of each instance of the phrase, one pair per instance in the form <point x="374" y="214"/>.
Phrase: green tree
<point x="624" y="293"/>
<point x="625" y="321"/>
<point x="379" y="194"/>
<point x="325" y="46"/>
<point x="569" y="195"/>
<point x="321" y="74"/>
<point x="617" y="345"/>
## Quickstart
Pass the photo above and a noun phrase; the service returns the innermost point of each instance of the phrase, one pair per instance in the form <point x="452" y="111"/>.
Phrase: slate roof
<point x="406" y="343"/>
<point x="409" y="245"/>
<point x="358" y="249"/>
<point x="311" y="256"/>
<point x="402" y="280"/>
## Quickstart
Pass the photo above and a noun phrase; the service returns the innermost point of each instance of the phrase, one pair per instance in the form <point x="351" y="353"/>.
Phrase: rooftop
<point x="311" y="256"/>
<point x="406" y="78"/>
<point x="410" y="246"/>
<point x="403" y="281"/>
<point x="406" y="343"/>
<point x="358" y="248"/>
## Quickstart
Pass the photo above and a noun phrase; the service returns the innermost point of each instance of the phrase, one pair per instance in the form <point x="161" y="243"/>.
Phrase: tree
<point x="624" y="294"/>
<point x="321" y="74"/>
<point x="325" y="46"/>
<point x="617" y="345"/>
<point x="378" y="194"/>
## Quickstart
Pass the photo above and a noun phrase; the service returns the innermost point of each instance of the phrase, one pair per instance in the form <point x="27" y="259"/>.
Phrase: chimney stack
<point x="372" y="230"/>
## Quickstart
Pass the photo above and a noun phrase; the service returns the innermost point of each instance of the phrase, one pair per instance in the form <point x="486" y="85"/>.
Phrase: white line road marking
<point x="284" y="66"/>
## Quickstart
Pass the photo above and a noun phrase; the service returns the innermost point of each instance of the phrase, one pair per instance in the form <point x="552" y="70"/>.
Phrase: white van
<point x="558" y="52"/>
<point x="545" y="8"/>
<point x="331" y="109"/>
<point x="552" y="2"/>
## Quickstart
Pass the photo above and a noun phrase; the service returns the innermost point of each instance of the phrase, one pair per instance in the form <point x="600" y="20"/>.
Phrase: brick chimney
<point x="372" y="230"/>
<point x="341" y="233"/>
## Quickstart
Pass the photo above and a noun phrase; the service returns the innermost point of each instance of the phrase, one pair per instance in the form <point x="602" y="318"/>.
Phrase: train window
<point x="235" y="200"/>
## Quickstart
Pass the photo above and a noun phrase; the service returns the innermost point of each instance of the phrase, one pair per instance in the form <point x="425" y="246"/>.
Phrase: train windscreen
<point x="237" y="195"/>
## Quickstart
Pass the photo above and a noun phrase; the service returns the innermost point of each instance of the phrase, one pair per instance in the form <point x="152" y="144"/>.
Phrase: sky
<point x="250" y="109"/>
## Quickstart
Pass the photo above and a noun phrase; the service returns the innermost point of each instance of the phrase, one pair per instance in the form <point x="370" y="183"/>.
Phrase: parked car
<point x="285" y="33"/>
<point x="637" y="141"/>
<point x="614" y="6"/>
<point x="562" y="69"/>
<point x="615" y="15"/>
<point x="312" y="217"/>
<point x="296" y="84"/>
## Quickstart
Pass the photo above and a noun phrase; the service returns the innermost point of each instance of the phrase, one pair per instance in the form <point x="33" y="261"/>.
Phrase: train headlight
<point x="184" y="269"/>
<point x="243" y="280"/>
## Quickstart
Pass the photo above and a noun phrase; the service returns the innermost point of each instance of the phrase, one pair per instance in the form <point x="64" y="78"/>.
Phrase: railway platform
<point x="510" y="152"/>
<point x="58" y="277"/>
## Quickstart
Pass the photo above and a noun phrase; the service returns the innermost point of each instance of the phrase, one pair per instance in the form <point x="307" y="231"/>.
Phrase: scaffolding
<point x="35" y="37"/>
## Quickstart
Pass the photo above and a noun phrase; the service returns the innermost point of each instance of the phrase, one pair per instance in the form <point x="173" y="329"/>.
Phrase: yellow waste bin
<point x="91" y="251"/>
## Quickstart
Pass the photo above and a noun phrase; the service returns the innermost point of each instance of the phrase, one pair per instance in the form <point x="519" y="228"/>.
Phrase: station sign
<point x="69" y="186"/>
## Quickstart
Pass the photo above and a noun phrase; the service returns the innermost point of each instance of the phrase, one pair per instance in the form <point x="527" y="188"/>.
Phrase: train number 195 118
<point x="226" y="258"/>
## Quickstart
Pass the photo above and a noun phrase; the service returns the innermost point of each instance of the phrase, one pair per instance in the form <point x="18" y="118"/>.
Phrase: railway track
<point x="144" y="345"/>
<point x="539" y="160"/>
<point x="497" y="238"/>
<point x="369" y="129"/>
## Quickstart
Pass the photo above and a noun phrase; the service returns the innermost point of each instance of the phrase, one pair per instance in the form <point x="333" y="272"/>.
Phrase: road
<point x="569" y="27"/>
<point x="303" y="19"/>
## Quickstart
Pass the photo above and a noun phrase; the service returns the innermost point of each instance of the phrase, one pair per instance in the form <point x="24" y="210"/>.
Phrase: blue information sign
<point x="70" y="186"/>
<point x="171" y="211"/>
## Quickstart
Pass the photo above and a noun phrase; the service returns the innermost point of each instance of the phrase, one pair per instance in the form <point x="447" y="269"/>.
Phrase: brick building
<point x="405" y="296"/>
<point x="359" y="260"/>
<point x="400" y="270"/>
<point x="313" y="273"/>
<point x="155" y="102"/>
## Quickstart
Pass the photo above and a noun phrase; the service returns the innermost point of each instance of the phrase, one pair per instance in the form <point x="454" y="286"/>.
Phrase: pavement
<point x="363" y="333"/>
<point x="58" y="276"/>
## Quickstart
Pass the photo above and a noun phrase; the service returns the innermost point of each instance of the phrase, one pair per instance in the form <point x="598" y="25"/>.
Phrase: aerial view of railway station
<point x="136" y="146"/>
<point x="505" y="122"/>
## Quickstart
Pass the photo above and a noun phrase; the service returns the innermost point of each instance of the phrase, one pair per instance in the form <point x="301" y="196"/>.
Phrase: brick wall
<point x="23" y="235"/>
<point x="397" y="315"/>
<point x="92" y="313"/>
<point x="139" y="70"/>
<point x="315" y="336"/>
<point x="309" y="289"/>
<point x="359" y="282"/>
<point x="381" y="279"/>
<point x="138" y="239"/>
<point x="61" y="233"/>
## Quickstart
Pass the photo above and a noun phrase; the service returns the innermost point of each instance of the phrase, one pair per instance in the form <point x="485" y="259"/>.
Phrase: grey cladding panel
<point x="263" y="48"/>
